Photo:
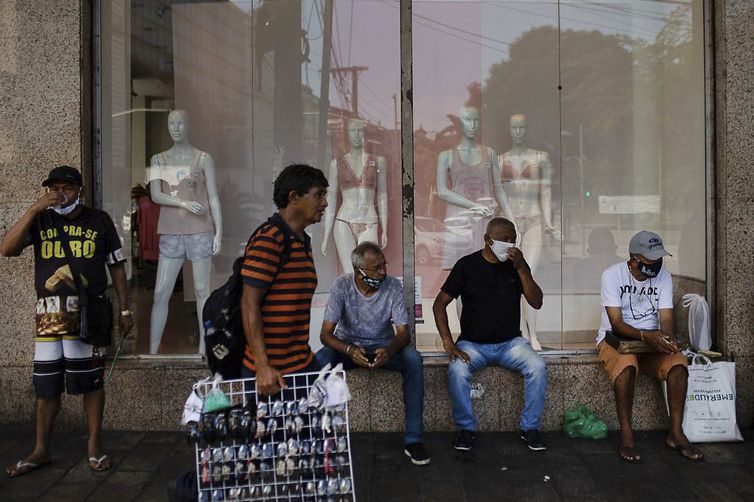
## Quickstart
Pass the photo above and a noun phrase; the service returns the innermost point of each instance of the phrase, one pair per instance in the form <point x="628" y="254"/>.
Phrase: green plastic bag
<point x="216" y="400"/>
<point x="582" y="423"/>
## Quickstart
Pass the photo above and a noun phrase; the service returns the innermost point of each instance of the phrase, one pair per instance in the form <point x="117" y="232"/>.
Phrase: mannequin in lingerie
<point x="526" y="178"/>
<point x="182" y="181"/>
<point x="361" y="179"/>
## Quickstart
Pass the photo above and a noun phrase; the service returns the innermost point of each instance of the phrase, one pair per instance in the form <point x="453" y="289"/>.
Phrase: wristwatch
<point x="126" y="313"/>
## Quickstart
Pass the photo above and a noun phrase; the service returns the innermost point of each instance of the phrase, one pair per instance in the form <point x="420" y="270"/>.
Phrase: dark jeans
<point x="409" y="363"/>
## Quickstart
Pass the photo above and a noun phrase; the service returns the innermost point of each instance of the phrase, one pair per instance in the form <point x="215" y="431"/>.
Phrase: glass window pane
<point x="249" y="75"/>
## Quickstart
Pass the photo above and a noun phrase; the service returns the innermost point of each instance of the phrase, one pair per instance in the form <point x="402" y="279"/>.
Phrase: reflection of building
<point x="47" y="77"/>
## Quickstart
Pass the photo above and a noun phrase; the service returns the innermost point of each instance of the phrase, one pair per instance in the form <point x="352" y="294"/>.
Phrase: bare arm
<point x="545" y="192"/>
<point x="440" y="311"/>
<point x="214" y="202"/>
<point x="15" y="238"/>
<point x="332" y="200"/>
<point x="497" y="186"/>
<point x="328" y="339"/>
<point x="656" y="338"/>
<point x="382" y="197"/>
<point x="120" y="283"/>
<point x="269" y="380"/>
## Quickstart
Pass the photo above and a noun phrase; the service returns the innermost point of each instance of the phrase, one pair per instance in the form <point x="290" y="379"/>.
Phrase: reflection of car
<point x="432" y="237"/>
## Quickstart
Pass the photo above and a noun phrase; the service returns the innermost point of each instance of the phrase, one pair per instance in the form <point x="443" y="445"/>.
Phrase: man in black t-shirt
<point x="61" y="360"/>
<point x="490" y="283"/>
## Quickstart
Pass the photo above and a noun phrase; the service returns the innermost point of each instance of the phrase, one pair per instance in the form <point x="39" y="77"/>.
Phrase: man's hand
<point x="125" y="323"/>
<point x="358" y="356"/>
<point x="381" y="356"/>
<point x="660" y="342"/>
<point x="453" y="351"/>
<point x="269" y="381"/>
<point x="516" y="257"/>
<point x="46" y="200"/>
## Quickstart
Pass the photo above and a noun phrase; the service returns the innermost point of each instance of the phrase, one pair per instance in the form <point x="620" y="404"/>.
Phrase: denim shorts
<point x="192" y="247"/>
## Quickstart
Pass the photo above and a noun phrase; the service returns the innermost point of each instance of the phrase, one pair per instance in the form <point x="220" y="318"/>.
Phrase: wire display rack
<point x="276" y="448"/>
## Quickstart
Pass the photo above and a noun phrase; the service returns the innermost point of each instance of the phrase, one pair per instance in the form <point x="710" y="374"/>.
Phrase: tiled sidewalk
<point x="498" y="468"/>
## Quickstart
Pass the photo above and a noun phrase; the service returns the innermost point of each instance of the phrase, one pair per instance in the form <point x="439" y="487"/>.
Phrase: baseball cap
<point x="647" y="244"/>
<point x="63" y="173"/>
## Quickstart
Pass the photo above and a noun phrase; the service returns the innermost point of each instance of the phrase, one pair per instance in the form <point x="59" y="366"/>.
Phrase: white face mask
<point x="501" y="248"/>
<point x="68" y="209"/>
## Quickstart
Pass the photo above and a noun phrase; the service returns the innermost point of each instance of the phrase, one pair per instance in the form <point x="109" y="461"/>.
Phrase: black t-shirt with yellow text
<point x="94" y="242"/>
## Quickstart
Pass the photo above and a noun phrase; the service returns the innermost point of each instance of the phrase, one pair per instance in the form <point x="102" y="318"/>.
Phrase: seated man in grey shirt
<point x="364" y="306"/>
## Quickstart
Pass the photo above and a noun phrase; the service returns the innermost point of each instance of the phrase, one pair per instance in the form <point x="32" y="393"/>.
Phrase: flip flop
<point x="100" y="464"/>
<point x="23" y="467"/>
<point x="688" y="451"/>
<point x="629" y="454"/>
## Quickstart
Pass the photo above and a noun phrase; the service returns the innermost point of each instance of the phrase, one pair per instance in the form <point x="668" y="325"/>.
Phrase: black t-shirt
<point x="491" y="298"/>
<point x="94" y="242"/>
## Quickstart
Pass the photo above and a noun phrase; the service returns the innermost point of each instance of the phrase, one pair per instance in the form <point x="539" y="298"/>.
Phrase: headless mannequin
<point x="185" y="157"/>
<point x="476" y="184"/>
<point x="361" y="178"/>
<point x="526" y="177"/>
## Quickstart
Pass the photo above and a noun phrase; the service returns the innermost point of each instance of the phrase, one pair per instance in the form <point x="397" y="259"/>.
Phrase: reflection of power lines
<point x="430" y="23"/>
<point x="354" y="71"/>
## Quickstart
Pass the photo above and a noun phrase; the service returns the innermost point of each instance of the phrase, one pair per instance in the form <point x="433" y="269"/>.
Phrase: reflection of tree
<point x="639" y="105"/>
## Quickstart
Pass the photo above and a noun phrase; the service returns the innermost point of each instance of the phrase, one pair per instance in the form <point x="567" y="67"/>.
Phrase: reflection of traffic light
<point x="587" y="194"/>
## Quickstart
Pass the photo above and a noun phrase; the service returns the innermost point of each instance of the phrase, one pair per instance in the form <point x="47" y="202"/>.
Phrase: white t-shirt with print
<point x="640" y="301"/>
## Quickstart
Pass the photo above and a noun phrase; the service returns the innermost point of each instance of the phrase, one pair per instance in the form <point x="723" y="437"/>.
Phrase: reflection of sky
<point x="455" y="44"/>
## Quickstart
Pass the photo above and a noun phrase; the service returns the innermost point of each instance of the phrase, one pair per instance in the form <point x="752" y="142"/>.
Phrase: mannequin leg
<point x="344" y="242"/>
<point x="370" y="234"/>
<point x="531" y="247"/>
<point x="167" y="272"/>
<point x="202" y="269"/>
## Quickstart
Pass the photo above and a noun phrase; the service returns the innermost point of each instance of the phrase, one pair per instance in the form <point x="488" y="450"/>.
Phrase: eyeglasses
<point x="382" y="267"/>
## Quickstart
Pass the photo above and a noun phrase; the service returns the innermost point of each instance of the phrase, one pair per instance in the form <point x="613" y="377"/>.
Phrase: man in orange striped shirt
<point x="276" y="300"/>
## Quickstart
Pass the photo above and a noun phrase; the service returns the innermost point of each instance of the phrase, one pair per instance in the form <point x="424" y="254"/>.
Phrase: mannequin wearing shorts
<point x="182" y="181"/>
<point x="361" y="179"/>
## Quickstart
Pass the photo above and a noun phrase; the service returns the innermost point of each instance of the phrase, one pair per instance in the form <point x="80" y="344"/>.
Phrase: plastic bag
<point x="216" y="400"/>
<point x="336" y="389"/>
<point x="582" y="423"/>
<point x="318" y="391"/>
<point x="710" y="411"/>
<point x="192" y="409"/>
<point x="699" y="321"/>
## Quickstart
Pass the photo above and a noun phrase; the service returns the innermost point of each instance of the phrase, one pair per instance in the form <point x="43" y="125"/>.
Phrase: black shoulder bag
<point x="95" y="311"/>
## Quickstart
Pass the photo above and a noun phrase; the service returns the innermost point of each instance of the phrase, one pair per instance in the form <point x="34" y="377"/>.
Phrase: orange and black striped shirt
<point x="287" y="303"/>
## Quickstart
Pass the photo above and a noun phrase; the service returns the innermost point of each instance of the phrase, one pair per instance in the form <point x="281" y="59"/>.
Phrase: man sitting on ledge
<point x="637" y="302"/>
<point x="490" y="283"/>
<point x="364" y="305"/>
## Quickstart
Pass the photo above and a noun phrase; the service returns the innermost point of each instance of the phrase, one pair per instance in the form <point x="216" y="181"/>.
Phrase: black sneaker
<point x="534" y="439"/>
<point x="417" y="453"/>
<point x="464" y="440"/>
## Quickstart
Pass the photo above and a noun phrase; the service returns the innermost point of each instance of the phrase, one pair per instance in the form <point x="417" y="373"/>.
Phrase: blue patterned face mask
<point x="372" y="283"/>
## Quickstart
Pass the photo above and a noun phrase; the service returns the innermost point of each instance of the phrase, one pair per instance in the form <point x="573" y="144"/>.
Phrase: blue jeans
<point x="515" y="354"/>
<point x="409" y="363"/>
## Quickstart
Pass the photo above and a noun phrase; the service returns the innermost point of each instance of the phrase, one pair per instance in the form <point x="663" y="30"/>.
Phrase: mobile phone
<point x="371" y="356"/>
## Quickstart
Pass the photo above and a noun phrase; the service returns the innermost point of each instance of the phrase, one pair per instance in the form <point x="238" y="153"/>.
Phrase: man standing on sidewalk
<point x="61" y="360"/>
<point x="279" y="280"/>
<point x="490" y="283"/>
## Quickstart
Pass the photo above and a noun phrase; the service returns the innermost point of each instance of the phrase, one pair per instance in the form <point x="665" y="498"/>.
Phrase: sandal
<point x="687" y="450"/>
<point x="24" y="467"/>
<point x="100" y="464"/>
<point x="629" y="454"/>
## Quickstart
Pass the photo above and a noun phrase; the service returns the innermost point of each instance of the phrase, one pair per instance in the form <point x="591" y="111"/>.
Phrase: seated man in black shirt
<point x="490" y="283"/>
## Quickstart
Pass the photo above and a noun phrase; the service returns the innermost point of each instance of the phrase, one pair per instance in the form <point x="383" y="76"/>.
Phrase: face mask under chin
<point x="67" y="209"/>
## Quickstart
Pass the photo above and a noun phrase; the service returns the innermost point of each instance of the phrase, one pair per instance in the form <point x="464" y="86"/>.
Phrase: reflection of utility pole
<point x="396" y="124"/>
<point x="354" y="71"/>
<point x="324" y="88"/>
<point x="583" y="192"/>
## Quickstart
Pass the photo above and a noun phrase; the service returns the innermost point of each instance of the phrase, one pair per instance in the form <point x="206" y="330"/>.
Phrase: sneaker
<point x="417" y="453"/>
<point x="464" y="440"/>
<point x="534" y="439"/>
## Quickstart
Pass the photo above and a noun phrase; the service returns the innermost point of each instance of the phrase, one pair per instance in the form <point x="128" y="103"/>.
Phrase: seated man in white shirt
<point x="637" y="302"/>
